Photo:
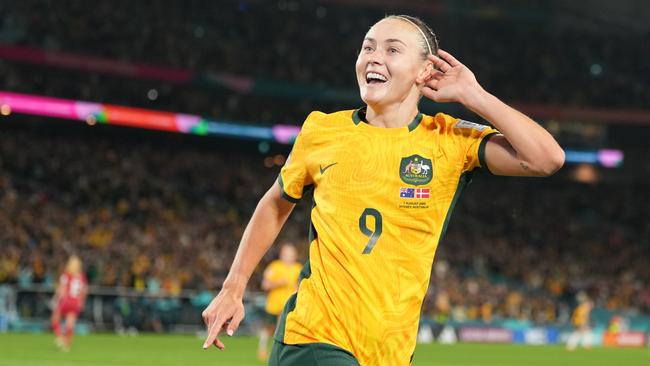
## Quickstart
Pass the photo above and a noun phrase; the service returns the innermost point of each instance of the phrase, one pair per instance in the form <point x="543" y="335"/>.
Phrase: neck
<point x="393" y="116"/>
<point x="399" y="113"/>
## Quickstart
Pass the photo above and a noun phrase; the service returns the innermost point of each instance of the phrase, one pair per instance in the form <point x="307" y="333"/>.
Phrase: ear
<point x="426" y="73"/>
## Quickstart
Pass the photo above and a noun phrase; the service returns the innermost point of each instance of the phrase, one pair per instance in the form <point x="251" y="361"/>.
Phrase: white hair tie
<point x="421" y="32"/>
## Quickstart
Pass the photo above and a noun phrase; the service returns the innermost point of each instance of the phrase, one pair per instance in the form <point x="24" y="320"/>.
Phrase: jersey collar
<point x="359" y="116"/>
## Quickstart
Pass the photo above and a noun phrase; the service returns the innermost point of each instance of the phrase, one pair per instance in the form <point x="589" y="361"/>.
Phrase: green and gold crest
<point x="416" y="170"/>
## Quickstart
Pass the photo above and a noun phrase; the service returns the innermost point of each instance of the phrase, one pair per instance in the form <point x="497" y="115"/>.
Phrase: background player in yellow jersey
<point x="580" y="320"/>
<point x="385" y="180"/>
<point x="280" y="280"/>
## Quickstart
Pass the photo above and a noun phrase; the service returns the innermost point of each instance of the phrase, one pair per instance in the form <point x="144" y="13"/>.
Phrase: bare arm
<point x="270" y="215"/>
<point x="523" y="149"/>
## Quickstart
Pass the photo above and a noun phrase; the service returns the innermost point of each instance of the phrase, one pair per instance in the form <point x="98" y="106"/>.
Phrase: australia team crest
<point x="416" y="170"/>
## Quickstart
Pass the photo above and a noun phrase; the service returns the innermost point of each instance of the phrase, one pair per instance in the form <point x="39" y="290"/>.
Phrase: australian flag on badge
<point x="407" y="192"/>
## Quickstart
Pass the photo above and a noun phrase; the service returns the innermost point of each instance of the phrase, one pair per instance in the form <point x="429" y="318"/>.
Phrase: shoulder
<point x="322" y="119"/>
<point x="319" y="125"/>
<point x="444" y="122"/>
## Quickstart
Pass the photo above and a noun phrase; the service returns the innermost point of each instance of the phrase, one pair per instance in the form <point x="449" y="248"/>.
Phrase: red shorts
<point x="69" y="305"/>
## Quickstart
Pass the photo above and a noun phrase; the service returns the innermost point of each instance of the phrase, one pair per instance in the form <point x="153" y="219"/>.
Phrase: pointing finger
<point x="213" y="331"/>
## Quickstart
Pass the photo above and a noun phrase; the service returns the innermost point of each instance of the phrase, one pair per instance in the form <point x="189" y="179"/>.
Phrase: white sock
<point x="573" y="340"/>
<point x="586" y="339"/>
<point x="264" y="340"/>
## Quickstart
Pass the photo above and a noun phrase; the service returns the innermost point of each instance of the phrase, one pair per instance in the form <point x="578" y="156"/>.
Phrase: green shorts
<point x="269" y="319"/>
<point x="310" y="354"/>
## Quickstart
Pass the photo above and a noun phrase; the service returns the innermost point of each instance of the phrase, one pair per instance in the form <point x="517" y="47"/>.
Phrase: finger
<point x="432" y="84"/>
<point x="435" y="95"/>
<point x="206" y="318"/>
<point x="438" y="75"/>
<point x="429" y="92"/>
<point x="213" y="331"/>
<point x="234" y="323"/>
<point x="439" y="63"/>
<point x="219" y="344"/>
<point x="451" y="60"/>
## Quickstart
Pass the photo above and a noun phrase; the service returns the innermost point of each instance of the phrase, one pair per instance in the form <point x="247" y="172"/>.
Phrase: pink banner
<point x="138" y="117"/>
<point x="40" y="106"/>
<point x="94" y="64"/>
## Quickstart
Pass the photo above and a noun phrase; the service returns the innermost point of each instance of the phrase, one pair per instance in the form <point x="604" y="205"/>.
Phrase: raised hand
<point x="225" y="312"/>
<point x="451" y="81"/>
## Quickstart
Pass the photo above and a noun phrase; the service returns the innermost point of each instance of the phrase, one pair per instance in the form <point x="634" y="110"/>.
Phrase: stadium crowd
<point x="545" y="59"/>
<point x="163" y="216"/>
<point x="160" y="217"/>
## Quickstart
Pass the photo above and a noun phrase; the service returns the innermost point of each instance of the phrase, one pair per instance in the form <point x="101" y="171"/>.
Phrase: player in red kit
<point x="69" y="300"/>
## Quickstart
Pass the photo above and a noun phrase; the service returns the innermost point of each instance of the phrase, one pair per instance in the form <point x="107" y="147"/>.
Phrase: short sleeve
<point x="472" y="138"/>
<point x="269" y="273"/>
<point x="294" y="176"/>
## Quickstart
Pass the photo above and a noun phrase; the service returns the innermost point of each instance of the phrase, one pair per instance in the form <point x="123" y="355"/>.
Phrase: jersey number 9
<point x="372" y="234"/>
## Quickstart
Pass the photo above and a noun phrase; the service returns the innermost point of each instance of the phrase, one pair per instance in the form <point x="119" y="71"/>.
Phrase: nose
<point x="374" y="58"/>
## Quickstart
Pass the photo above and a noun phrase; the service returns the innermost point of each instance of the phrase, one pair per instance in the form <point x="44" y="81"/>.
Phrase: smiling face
<point x="390" y="67"/>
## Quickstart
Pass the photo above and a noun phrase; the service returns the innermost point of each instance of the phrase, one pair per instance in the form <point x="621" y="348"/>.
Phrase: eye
<point x="367" y="48"/>
<point x="393" y="50"/>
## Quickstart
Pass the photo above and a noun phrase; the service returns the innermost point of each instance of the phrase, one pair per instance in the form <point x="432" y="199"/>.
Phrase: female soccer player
<point x="69" y="300"/>
<point x="385" y="180"/>
<point x="580" y="320"/>
<point x="280" y="282"/>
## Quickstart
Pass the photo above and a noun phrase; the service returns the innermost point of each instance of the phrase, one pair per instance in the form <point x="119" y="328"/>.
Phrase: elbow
<point x="553" y="163"/>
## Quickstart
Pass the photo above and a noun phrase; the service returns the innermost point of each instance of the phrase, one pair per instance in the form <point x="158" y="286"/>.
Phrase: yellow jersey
<point x="580" y="316"/>
<point x="382" y="200"/>
<point x="277" y="297"/>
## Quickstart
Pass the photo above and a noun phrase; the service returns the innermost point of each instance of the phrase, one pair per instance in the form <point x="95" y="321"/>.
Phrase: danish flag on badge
<point x="422" y="193"/>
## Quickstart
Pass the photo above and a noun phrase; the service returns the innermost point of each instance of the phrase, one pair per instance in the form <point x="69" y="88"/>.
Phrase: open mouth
<point x="375" y="78"/>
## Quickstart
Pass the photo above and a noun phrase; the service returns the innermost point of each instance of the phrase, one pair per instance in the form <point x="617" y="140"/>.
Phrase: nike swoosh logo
<point x="322" y="170"/>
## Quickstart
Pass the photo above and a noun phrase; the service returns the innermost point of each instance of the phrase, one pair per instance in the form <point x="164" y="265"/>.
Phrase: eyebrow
<point x="390" y="40"/>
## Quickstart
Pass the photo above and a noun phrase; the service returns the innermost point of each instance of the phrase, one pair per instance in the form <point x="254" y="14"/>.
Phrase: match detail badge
<point x="415" y="170"/>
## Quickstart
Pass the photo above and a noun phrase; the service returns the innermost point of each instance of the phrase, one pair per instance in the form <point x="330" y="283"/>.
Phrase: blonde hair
<point x="429" y="39"/>
<point x="73" y="265"/>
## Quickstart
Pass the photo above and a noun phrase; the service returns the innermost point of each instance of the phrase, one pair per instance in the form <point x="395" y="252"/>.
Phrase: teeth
<point x="374" y="75"/>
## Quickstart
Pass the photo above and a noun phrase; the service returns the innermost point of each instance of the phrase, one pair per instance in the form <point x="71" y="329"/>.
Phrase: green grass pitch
<point x="167" y="350"/>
